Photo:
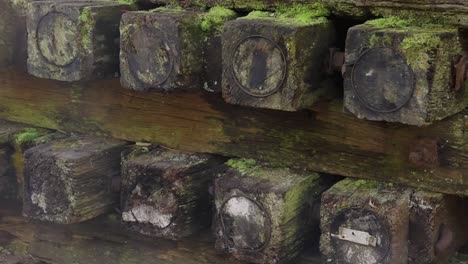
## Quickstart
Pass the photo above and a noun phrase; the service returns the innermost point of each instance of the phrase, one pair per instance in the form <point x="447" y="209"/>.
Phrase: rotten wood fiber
<point x="73" y="40"/>
<point x="266" y="214"/>
<point x="323" y="139"/>
<point x="70" y="180"/>
<point x="165" y="193"/>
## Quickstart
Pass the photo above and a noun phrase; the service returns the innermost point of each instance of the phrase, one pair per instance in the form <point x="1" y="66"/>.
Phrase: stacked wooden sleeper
<point x="427" y="95"/>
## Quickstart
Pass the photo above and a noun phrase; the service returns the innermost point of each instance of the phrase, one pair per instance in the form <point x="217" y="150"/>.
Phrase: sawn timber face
<point x="322" y="139"/>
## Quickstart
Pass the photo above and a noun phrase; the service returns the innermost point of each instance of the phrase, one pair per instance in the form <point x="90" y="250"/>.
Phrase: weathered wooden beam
<point x="161" y="49"/>
<point x="172" y="49"/>
<point x="70" y="180"/>
<point x="277" y="62"/>
<point x="265" y="214"/>
<point x="403" y="73"/>
<point x="73" y="40"/>
<point x="437" y="227"/>
<point x="373" y="222"/>
<point x="101" y="240"/>
<point x="323" y="139"/>
<point x="365" y="222"/>
<point x="165" y="193"/>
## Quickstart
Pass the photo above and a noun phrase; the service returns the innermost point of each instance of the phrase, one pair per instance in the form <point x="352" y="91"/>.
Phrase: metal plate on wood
<point x="150" y="56"/>
<point x="57" y="39"/>
<point x="258" y="65"/>
<point x="245" y="223"/>
<point x="382" y="80"/>
<point x="371" y="250"/>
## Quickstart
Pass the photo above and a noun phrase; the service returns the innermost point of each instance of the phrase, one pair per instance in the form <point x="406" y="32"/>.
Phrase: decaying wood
<point x="404" y="75"/>
<point x="276" y="65"/>
<point x="165" y="193"/>
<point x="378" y="209"/>
<point x="323" y="139"/>
<point x="161" y="49"/>
<point x="437" y="227"/>
<point x="73" y="40"/>
<point x="69" y="180"/>
<point x="265" y="214"/>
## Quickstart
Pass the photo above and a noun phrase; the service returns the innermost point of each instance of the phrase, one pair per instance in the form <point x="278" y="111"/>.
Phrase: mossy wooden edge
<point x="454" y="12"/>
<point x="323" y="139"/>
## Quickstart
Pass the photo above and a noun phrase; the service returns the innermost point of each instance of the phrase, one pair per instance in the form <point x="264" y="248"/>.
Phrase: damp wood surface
<point x="103" y="240"/>
<point x="322" y="139"/>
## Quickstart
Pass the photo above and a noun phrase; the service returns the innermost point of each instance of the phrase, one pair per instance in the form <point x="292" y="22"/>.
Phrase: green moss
<point x="242" y="165"/>
<point x="215" y="19"/>
<point x="416" y="47"/>
<point x="416" y="18"/>
<point x="368" y="184"/>
<point x="28" y="135"/>
<point x="406" y="21"/>
<point x="86" y="27"/>
<point x="380" y="40"/>
<point x="300" y="14"/>
<point x="392" y="22"/>
<point x="128" y="2"/>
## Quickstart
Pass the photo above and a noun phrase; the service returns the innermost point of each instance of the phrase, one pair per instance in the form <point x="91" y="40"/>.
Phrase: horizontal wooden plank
<point x="102" y="240"/>
<point x="323" y="139"/>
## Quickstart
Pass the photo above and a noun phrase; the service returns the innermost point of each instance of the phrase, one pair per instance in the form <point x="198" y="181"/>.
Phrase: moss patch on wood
<point x="214" y="20"/>
<point x="27" y="136"/>
<point x="86" y="27"/>
<point x="300" y="14"/>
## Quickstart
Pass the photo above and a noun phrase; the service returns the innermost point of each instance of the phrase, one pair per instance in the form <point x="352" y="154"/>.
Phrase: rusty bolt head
<point x="335" y="61"/>
<point x="461" y="73"/>
<point x="425" y="153"/>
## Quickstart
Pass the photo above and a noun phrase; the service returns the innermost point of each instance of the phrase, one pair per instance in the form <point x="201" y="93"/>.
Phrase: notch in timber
<point x="404" y="74"/>
<point x="276" y="63"/>
<point x="165" y="193"/>
<point x="170" y="49"/>
<point x="70" y="180"/>
<point x="73" y="40"/>
<point x="378" y="223"/>
<point x="265" y="214"/>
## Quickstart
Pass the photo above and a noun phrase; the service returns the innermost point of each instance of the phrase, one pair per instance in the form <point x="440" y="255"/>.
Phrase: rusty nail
<point x="336" y="60"/>
<point x="461" y="73"/>
<point x="425" y="153"/>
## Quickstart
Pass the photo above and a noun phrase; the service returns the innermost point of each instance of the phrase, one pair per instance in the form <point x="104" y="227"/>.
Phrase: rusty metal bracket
<point x="461" y="73"/>
<point x="335" y="61"/>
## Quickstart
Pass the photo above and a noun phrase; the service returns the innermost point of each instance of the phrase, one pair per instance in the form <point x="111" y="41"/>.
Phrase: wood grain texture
<point x="165" y="193"/>
<point x="102" y="240"/>
<point x="323" y="139"/>
<point x="69" y="180"/>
